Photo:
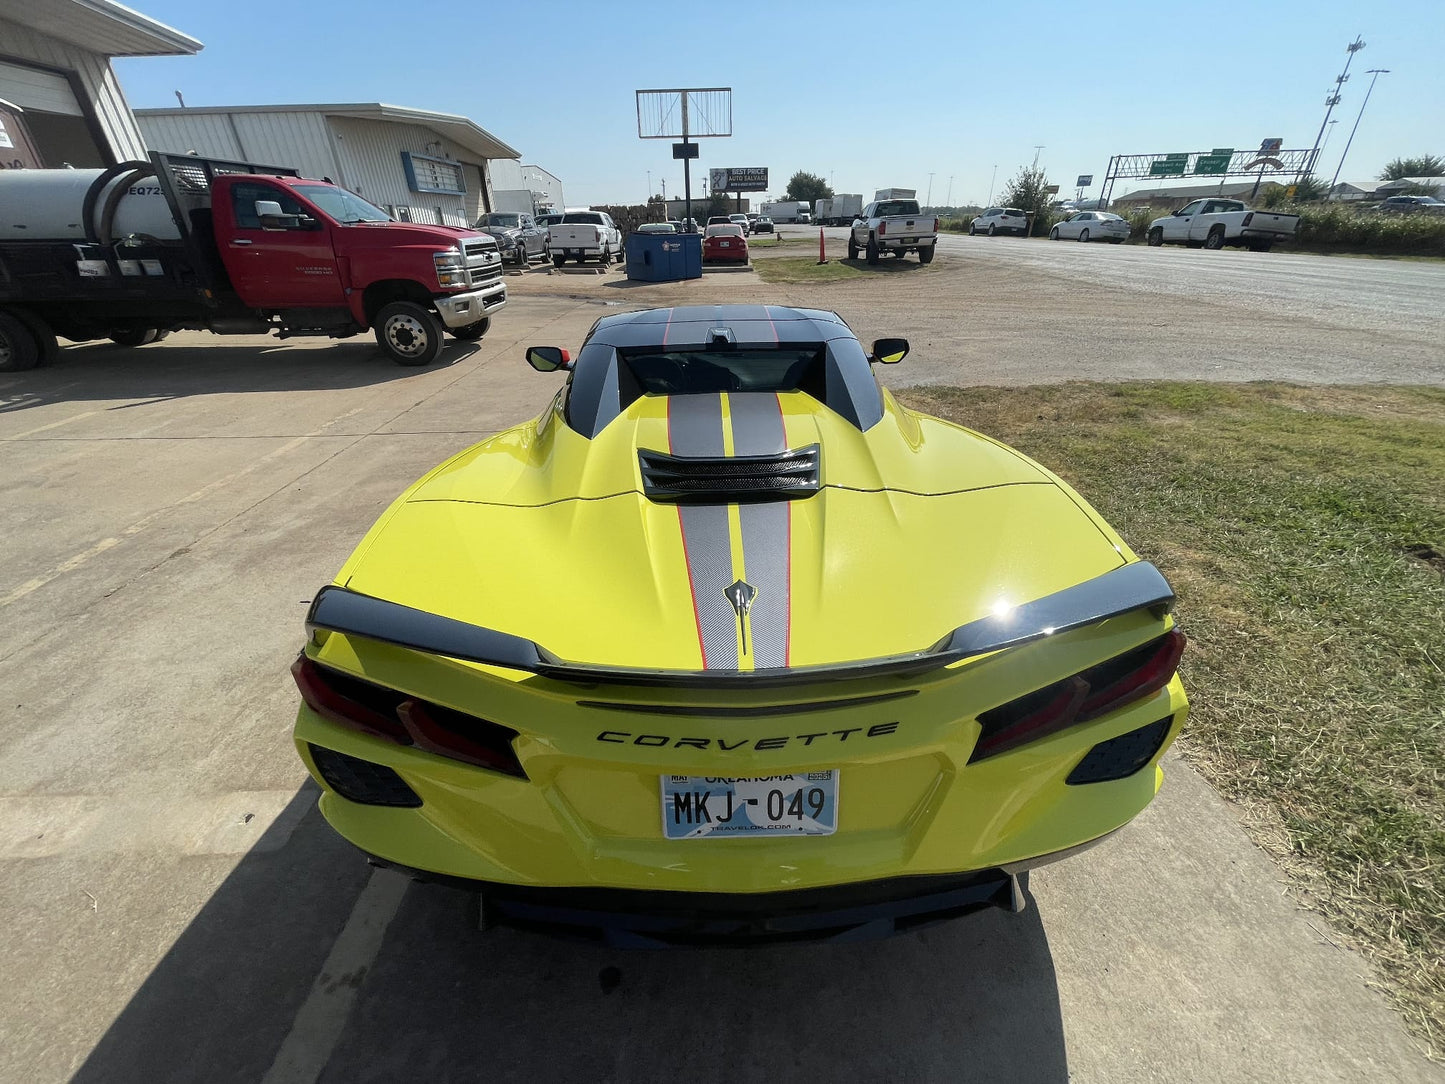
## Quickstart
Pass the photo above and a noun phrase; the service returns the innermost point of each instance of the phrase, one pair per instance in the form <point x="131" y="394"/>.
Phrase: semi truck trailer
<point x="142" y="248"/>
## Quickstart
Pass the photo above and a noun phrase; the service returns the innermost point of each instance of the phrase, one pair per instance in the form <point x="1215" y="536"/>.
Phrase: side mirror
<point x="272" y="217"/>
<point x="548" y="359"/>
<point x="889" y="351"/>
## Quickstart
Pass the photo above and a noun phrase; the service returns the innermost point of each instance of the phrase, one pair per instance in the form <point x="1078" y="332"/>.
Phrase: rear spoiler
<point x="1133" y="587"/>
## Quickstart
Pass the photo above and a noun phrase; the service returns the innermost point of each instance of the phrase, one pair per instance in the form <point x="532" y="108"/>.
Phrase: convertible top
<point x="594" y="398"/>
<point x="694" y="325"/>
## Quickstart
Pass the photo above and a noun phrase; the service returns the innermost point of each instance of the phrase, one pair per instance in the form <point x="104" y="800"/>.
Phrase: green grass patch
<point x="1304" y="531"/>
<point x="789" y="269"/>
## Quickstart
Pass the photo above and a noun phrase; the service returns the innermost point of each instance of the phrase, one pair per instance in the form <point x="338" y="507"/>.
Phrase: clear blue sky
<point x="822" y="87"/>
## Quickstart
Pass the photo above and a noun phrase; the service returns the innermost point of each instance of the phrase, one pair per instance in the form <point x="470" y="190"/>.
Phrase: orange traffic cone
<point x="822" y="251"/>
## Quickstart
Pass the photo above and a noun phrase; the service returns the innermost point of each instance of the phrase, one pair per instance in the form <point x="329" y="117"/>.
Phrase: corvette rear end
<point x="727" y="645"/>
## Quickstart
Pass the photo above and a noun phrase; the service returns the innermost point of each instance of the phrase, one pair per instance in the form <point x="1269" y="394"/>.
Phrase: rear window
<point x="582" y="218"/>
<point x="897" y="207"/>
<point x="697" y="372"/>
<point x="1012" y="212"/>
<point x="730" y="229"/>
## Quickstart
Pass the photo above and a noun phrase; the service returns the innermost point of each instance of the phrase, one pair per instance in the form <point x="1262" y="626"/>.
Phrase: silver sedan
<point x="1091" y="226"/>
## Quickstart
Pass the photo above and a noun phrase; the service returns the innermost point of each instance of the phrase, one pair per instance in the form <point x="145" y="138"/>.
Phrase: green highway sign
<point x="1213" y="163"/>
<point x="1169" y="165"/>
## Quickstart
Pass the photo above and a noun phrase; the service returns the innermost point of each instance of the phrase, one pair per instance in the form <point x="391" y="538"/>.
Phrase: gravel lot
<point x="179" y="912"/>
<point x="1005" y="311"/>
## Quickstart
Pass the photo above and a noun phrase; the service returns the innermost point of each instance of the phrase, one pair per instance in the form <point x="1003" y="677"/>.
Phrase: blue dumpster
<point x="664" y="257"/>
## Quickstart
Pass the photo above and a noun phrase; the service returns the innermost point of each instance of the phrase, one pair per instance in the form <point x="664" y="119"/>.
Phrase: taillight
<point x="1248" y="218"/>
<point x="387" y="713"/>
<point x="1094" y="692"/>
<point x="937" y="224"/>
<point x="882" y="228"/>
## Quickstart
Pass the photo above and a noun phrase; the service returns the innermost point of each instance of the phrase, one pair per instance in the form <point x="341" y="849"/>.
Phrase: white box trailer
<point x="841" y="210"/>
<point x="895" y="193"/>
<point x="787" y="211"/>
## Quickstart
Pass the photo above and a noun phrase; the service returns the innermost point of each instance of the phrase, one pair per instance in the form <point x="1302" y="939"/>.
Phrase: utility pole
<point x="990" y="184"/>
<point x="1374" y="74"/>
<point x="1332" y="100"/>
<point x="1038" y="149"/>
<point x="949" y="201"/>
<point x="928" y="199"/>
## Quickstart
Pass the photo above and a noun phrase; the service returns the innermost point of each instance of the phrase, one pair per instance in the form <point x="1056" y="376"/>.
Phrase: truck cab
<point x="289" y="245"/>
<point x="230" y="248"/>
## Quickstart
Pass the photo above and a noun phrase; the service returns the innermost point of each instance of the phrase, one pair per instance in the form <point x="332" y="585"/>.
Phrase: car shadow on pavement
<point x="88" y="372"/>
<point x="972" y="999"/>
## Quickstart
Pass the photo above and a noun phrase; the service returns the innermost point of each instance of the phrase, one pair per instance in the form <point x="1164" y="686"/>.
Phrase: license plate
<point x="574" y="252"/>
<point x="803" y="804"/>
<point x="724" y="244"/>
<point x="910" y="240"/>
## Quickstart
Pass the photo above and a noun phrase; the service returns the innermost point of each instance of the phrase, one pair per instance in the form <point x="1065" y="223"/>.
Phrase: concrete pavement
<point x="180" y="912"/>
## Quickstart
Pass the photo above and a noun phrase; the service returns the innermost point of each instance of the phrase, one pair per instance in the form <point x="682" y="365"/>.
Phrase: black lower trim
<point x="634" y="918"/>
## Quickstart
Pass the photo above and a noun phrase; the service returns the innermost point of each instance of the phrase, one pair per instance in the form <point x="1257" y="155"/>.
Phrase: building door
<point x="58" y="132"/>
<point x="17" y="151"/>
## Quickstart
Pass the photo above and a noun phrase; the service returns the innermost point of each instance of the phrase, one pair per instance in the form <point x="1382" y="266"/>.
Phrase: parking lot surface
<point x="180" y="912"/>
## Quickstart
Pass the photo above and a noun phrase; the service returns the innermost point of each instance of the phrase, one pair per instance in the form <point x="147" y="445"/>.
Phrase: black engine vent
<point x="726" y="479"/>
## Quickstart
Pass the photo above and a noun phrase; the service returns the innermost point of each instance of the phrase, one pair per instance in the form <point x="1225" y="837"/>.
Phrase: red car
<point x="724" y="244"/>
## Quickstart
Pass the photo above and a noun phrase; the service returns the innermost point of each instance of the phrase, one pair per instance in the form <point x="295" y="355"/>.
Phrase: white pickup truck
<point x="583" y="236"/>
<point x="893" y="225"/>
<point x="1214" y="223"/>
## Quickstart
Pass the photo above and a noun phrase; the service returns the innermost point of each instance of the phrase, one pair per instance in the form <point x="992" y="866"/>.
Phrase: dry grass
<point x="1303" y="529"/>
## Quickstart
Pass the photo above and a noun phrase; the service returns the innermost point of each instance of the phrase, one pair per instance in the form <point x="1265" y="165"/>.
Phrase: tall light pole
<point x="928" y="199"/>
<point x="990" y="182"/>
<point x="1373" y="73"/>
<point x="1332" y="100"/>
<point x="949" y="201"/>
<point x="1038" y="149"/>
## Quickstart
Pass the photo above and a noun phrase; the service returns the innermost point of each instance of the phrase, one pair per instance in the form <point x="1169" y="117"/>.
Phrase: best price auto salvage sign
<point x="741" y="179"/>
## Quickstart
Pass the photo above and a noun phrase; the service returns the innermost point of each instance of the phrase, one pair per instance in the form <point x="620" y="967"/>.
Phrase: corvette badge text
<point x="661" y="741"/>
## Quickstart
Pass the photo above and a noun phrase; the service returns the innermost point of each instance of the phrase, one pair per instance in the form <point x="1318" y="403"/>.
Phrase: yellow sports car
<point x="728" y="645"/>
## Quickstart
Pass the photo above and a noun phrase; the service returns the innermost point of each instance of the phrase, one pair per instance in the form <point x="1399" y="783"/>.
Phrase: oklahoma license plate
<point x="804" y="804"/>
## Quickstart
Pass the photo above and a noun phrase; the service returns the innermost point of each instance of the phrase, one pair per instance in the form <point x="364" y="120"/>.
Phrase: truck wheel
<point x="136" y="336"/>
<point x="408" y="333"/>
<point x="472" y="332"/>
<point x="872" y="251"/>
<point x="1156" y="237"/>
<point x="925" y="255"/>
<point x="1260" y="246"/>
<point x="558" y="261"/>
<point x="852" y="248"/>
<point x="1215" y="240"/>
<point x="20" y="345"/>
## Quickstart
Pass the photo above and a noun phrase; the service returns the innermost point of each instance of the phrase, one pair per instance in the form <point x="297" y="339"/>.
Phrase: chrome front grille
<point x="483" y="260"/>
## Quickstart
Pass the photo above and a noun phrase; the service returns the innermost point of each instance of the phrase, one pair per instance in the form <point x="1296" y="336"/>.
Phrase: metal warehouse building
<point x="60" y="102"/>
<point x="419" y="165"/>
<point x="529" y="189"/>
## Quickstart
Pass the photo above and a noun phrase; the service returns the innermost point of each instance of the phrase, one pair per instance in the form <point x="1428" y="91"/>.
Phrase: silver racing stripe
<point x="710" y="570"/>
<point x="757" y="423"/>
<point x="695" y="424"/>
<point x="765" y="529"/>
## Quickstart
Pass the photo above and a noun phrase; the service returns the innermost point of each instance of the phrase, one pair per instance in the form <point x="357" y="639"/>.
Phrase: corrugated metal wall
<point x="299" y="140"/>
<point x="359" y="154"/>
<point x="102" y="89"/>
<point x="370" y="154"/>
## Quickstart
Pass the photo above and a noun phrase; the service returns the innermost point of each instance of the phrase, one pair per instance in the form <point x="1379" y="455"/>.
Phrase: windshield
<point x="498" y="219"/>
<point x="342" y="205"/>
<point x="700" y="371"/>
